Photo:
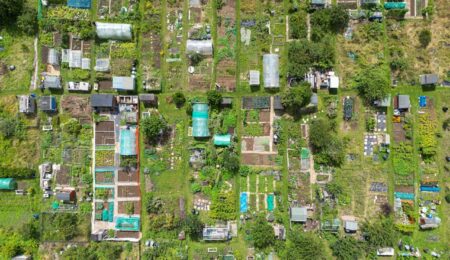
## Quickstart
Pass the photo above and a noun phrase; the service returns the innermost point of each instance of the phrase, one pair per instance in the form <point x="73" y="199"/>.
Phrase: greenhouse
<point x="222" y="140"/>
<point x="271" y="71"/>
<point x="8" y="184"/>
<point x="113" y="31"/>
<point x="102" y="65"/>
<point x="200" y="120"/>
<point x="204" y="47"/>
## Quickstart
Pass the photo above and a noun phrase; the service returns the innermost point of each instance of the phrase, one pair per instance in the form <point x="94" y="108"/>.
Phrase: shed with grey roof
<point x="148" y="99"/>
<point x="299" y="214"/>
<point x="52" y="81"/>
<point x="102" y="101"/>
<point x="351" y="226"/>
<point x="254" y="77"/>
<point x="123" y="83"/>
<point x="403" y="102"/>
<point x="271" y="71"/>
<point x="429" y="79"/>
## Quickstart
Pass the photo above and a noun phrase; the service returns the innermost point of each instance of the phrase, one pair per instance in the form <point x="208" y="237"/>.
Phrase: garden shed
<point x="277" y="104"/>
<point x="428" y="79"/>
<point x="222" y="140"/>
<point x="403" y="102"/>
<point x="51" y="81"/>
<point x="254" y="77"/>
<point x="27" y="104"/>
<point x="148" y="99"/>
<point x="226" y="101"/>
<point x="82" y="4"/>
<point x="314" y="101"/>
<point x="123" y="83"/>
<point x="351" y="226"/>
<point x="299" y="214"/>
<point x="102" y="101"/>
<point x="200" y="120"/>
<point x="8" y="184"/>
<point x="47" y="104"/>
<point x="66" y="196"/>
<point x="271" y="71"/>
<point x="216" y="233"/>
<point x="204" y="47"/>
<point x="113" y="31"/>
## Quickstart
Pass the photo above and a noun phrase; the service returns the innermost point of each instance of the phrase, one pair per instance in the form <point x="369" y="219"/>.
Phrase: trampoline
<point x="128" y="141"/>
<point x="270" y="200"/>
<point x="243" y="200"/>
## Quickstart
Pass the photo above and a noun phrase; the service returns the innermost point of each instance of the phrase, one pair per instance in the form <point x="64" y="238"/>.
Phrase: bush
<point x="195" y="187"/>
<point x="214" y="98"/>
<point x="18" y="173"/>
<point x="27" y="21"/>
<point x="372" y="84"/>
<point x="425" y="37"/>
<point x="179" y="99"/>
<point x="153" y="127"/>
<point x="72" y="127"/>
<point x="297" y="26"/>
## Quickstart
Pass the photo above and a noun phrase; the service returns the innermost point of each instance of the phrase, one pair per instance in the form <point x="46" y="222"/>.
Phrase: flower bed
<point x="104" y="158"/>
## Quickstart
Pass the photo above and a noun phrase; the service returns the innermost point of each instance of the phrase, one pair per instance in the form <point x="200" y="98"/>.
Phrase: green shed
<point x="8" y="184"/>
<point x="222" y="140"/>
<point x="394" y="5"/>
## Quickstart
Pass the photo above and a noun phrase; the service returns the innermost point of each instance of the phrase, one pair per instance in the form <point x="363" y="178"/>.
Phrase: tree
<point x="214" y="98"/>
<point x="153" y="205"/>
<point x="329" y="148"/>
<point x="27" y="21"/>
<point x="347" y="248"/>
<point x="372" y="84"/>
<point x="72" y="127"/>
<point x="9" y="10"/>
<point x="153" y="127"/>
<point x="297" y="97"/>
<point x="179" y="99"/>
<point x="231" y="161"/>
<point x="339" y="18"/>
<point x="262" y="233"/>
<point x="379" y="232"/>
<point x="194" y="226"/>
<point x="425" y="37"/>
<point x="302" y="245"/>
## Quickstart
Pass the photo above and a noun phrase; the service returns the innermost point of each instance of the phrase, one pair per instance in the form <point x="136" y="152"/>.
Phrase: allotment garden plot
<point x="257" y="191"/>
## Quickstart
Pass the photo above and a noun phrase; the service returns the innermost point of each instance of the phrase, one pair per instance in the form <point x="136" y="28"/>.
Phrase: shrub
<point x="425" y="37"/>
<point x="179" y="99"/>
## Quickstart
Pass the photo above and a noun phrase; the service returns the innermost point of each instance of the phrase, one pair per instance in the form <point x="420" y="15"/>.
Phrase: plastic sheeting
<point x="200" y="120"/>
<point x="204" y="47"/>
<point x="113" y="31"/>
<point x="75" y="59"/>
<point x="102" y="65"/>
<point x="222" y="140"/>
<point x="271" y="71"/>
<point x="394" y="5"/>
<point x="82" y="4"/>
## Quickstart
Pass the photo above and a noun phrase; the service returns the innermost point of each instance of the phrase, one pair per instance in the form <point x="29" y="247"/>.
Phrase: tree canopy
<point x="262" y="233"/>
<point x="297" y="97"/>
<point x="214" y="98"/>
<point x="372" y="83"/>
<point x="179" y="99"/>
<point x="329" y="148"/>
<point x="153" y="127"/>
<point x="9" y="10"/>
<point x="27" y="21"/>
<point x="302" y="245"/>
<point x="347" y="248"/>
<point x="380" y="232"/>
<point x="425" y="37"/>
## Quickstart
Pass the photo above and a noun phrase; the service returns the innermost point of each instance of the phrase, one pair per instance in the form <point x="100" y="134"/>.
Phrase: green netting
<point x="222" y="140"/>
<point x="128" y="224"/>
<point x="394" y="5"/>
<point x="200" y="120"/>
<point x="304" y="153"/>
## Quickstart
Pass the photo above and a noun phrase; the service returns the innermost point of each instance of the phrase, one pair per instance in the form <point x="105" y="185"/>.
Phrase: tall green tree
<point x="425" y="37"/>
<point x="9" y="10"/>
<point x="262" y="233"/>
<point x="305" y="245"/>
<point x="347" y="248"/>
<point x="214" y="98"/>
<point x="27" y="21"/>
<point x="296" y="98"/>
<point x="153" y="127"/>
<point x="372" y="83"/>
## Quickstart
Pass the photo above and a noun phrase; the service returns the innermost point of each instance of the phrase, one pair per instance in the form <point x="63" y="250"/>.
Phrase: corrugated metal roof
<point x="123" y="83"/>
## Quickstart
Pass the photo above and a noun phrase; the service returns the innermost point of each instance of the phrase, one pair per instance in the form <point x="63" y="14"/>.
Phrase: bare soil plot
<point x="63" y="176"/>
<point x="127" y="234"/>
<point x="125" y="176"/>
<point x="104" y="138"/>
<point x="259" y="159"/>
<point x="77" y="107"/>
<point x="104" y="126"/>
<point x="399" y="132"/>
<point x="128" y="191"/>
<point x="104" y="177"/>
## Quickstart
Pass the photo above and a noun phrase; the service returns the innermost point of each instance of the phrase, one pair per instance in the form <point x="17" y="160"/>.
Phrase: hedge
<point x="18" y="173"/>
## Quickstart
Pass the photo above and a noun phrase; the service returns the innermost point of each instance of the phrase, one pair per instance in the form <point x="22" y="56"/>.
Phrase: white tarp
<point x="75" y="59"/>
<point x="113" y="31"/>
<point x="271" y="71"/>
<point x="204" y="47"/>
<point x="102" y="65"/>
<point x="85" y="63"/>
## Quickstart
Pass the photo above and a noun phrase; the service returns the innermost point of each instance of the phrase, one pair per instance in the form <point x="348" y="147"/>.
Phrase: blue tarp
<point x="404" y="195"/>
<point x="430" y="189"/>
<point x="422" y="101"/>
<point x="83" y="4"/>
<point x="243" y="202"/>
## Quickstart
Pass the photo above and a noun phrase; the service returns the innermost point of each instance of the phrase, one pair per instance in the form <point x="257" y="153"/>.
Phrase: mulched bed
<point x="258" y="159"/>
<point x="104" y="126"/>
<point x="123" y="210"/>
<point x="249" y="144"/>
<point x="104" y="177"/>
<point x="77" y="107"/>
<point x="125" y="176"/>
<point x="105" y="85"/>
<point x="127" y="234"/>
<point x="264" y="116"/>
<point x="63" y="176"/>
<point x="266" y="129"/>
<point x="408" y="189"/>
<point x="104" y="138"/>
<point x="128" y="191"/>
<point x="399" y="133"/>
